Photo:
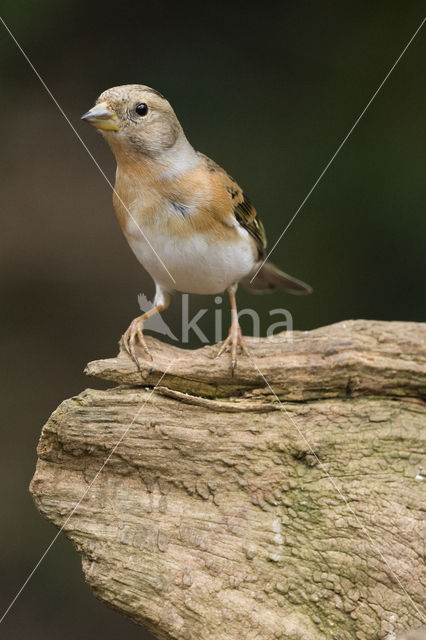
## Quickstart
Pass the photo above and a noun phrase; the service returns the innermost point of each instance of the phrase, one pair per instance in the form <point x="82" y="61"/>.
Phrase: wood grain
<point x="231" y="509"/>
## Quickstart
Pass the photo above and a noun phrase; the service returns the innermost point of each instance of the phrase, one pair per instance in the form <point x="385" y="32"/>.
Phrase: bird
<point x="188" y="222"/>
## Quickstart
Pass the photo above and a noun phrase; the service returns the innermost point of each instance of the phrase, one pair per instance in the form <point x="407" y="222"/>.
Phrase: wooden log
<point x="286" y="501"/>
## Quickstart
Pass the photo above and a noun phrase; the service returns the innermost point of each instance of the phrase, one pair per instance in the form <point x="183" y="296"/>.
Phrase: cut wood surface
<point x="286" y="501"/>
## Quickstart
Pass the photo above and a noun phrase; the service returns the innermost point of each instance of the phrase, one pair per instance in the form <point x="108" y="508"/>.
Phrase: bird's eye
<point x="142" y="109"/>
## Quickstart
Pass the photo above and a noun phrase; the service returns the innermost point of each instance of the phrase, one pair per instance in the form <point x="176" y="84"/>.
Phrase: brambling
<point x="187" y="221"/>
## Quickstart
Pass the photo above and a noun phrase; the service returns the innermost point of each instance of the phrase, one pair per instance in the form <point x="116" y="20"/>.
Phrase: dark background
<point x="269" y="92"/>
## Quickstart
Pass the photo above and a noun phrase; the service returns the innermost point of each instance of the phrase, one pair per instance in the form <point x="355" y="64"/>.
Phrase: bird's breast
<point x="179" y="258"/>
<point x="183" y="233"/>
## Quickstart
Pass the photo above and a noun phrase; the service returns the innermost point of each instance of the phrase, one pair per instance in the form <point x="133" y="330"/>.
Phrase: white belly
<point x="198" y="264"/>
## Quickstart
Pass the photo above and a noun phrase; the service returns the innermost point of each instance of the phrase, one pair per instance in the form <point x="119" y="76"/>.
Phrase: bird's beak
<point x="102" y="117"/>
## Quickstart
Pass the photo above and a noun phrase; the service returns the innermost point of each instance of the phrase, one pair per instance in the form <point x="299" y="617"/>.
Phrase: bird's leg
<point x="235" y="337"/>
<point x="134" y="333"/>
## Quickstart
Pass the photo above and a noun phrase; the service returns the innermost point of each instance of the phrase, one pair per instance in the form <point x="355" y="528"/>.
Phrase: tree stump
<point x="285" y="502"/>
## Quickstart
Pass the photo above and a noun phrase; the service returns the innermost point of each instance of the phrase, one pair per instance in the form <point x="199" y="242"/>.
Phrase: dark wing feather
<point x="244" y="212"/>
<point x="246" y="216"/>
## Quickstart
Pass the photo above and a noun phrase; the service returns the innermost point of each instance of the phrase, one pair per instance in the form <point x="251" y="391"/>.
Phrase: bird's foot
<point x="132" y="336"/>
<point x="234" y="339"/>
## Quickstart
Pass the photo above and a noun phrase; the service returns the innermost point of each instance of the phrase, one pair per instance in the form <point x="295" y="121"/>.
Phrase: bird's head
<point x="135" y="118"/>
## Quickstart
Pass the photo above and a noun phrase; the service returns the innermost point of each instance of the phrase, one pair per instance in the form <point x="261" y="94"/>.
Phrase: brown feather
<point x="241" y="208"/>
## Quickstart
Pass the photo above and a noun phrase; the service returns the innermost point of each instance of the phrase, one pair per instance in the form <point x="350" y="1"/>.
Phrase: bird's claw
<point x="234" y="339"/>
<point x="131" y="337"/>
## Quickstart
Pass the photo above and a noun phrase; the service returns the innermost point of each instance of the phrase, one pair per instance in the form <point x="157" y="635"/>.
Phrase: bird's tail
<point x="270" y="278"/>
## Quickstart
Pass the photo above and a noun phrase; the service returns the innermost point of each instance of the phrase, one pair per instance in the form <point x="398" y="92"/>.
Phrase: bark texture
<point x="286" y="502"/>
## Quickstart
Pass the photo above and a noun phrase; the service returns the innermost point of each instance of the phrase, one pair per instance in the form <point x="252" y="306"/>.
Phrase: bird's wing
<point x="242" y="209"/>
<point x="246" y="216"/>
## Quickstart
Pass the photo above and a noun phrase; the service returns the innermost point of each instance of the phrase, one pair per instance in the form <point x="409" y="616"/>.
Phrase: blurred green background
<point x="268" y="91"/>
